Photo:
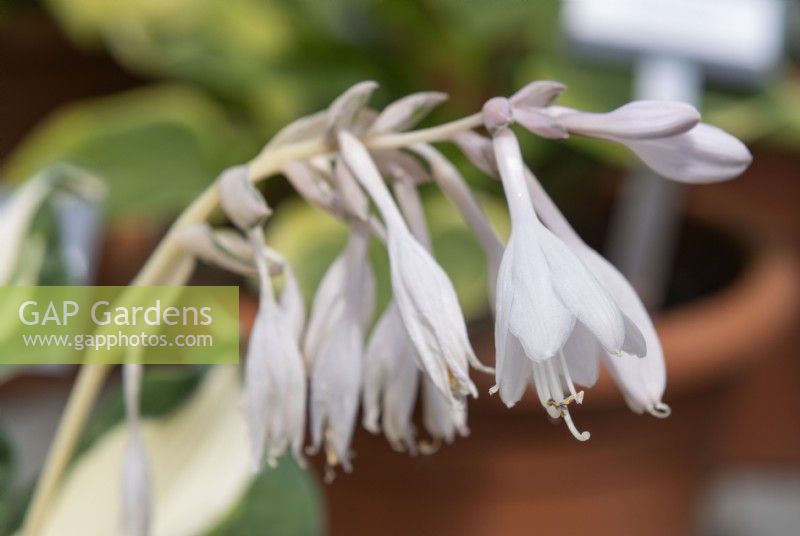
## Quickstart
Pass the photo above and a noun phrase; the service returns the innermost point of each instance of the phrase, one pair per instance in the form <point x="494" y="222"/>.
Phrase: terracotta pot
<point x="518" y="474"/>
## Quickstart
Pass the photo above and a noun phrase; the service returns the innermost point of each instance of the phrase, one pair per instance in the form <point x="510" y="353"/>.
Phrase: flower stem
<point x="91" y="377"/>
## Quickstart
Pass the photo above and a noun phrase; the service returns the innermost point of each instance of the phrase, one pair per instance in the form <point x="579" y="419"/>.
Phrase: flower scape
<point x="560" y="308"/>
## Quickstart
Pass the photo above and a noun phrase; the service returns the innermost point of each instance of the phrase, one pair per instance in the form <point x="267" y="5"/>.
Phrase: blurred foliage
<point x="281" y="500"/>
<point x="163" y="390"/>
<point x="156" y="147"/>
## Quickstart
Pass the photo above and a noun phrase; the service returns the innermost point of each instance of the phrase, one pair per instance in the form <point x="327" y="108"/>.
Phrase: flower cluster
<point x="560" y="308"/>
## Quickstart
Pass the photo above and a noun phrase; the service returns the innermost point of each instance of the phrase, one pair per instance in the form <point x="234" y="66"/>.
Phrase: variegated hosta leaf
<point x="18" y="212"/>
<point x="199" y="460"/>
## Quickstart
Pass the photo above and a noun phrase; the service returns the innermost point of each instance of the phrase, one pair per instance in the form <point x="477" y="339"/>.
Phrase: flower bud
<point x="497" y="113"/>
<point x="241" y="201"/>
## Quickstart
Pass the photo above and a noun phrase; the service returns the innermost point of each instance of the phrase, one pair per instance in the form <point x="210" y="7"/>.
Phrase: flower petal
<point x="582" y="294"/>
<point x="516" y="373"/>
<point x="540" y="124"/>
<point x="442" y="419"/>
<point x="335" y="391"/>
<point x="537" y="316"/>
<point x="311" y="184"/>
<point x="391" y="376"/>
<point x="702" y="155"/>
<point x="643" y="119"/>
<point x="582" y="355"/>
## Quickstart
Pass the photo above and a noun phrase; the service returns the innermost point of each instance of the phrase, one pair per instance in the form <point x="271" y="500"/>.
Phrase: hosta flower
<point x="337" y="356"/>
<point x="455" y="187"/>
<point x="391" y="378"/>
<point x="332" y="295"/>
<point x="543" y="292"/>
<point x="424" y="295"/>
<point x="275" y="382"/>
<point x="665" y="135"/>
<point x="442" y="421"/>
<point x="641" y="379"/>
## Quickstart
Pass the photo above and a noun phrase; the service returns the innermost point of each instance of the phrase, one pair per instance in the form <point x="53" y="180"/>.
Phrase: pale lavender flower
<point x="442" y="421"/>
<point x="336" y="373"/>
<point x="449" y="179"/>
<point x="424" y="295"/>
<point x="275" y="380"/>
<point x="391" y="378"/>
<point x="329" y="302"/>
<point x="642" y="379"/>
<point x="665" y="135"/>
<point x="543" y="291"/>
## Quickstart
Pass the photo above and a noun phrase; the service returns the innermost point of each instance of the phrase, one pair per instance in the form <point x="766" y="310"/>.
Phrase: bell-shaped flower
<point x="275" y="381"/>
<point x="391" y="377"/>
<point x="329" y="301"/>
<point x="543" y="291"/>
<point x="441" y="419"/>
<point x="336" y="373"/>
<point x="425" y="297"/>
<point x="642" y="379"/>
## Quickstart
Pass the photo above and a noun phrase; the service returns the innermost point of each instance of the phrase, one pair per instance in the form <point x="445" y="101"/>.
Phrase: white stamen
<point x="567" y="377"/>
<point x="556" y="392"/>
<point x="543" y="390"/>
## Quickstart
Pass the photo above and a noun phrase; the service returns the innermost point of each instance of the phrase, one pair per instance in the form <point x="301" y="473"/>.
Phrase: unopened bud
<point x="241" y="201"/>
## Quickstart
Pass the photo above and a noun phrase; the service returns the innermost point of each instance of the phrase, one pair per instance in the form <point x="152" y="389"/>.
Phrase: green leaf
<point x="283" y="500"/>
<point x="157" y="148"/>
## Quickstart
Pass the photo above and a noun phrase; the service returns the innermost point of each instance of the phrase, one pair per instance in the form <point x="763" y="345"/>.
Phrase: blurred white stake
<point x="674" y="46"/>
<point x="645" y="222"/>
